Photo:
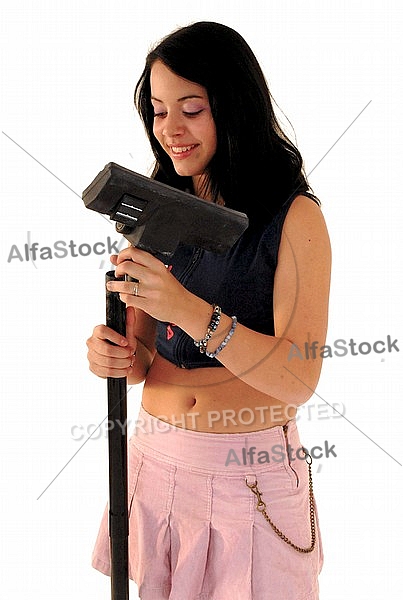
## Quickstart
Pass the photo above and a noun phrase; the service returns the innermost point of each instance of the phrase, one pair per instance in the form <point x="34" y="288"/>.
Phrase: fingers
<point x="102" y="333"/>
<point x="108" y="371"/>
<point x="139" y="265"/>
<point x="138" y="256"/>
<point x="127" y="288"/>
<point x="109" y="353"/>
<point x="158" y="293"/>
<point x="131" y="268"/>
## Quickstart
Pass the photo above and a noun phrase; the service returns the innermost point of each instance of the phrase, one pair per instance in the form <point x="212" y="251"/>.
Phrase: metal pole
<point x="117" y="442"/>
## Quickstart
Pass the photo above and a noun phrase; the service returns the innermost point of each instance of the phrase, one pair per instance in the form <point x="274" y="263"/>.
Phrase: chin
<point x="186" y="172"/>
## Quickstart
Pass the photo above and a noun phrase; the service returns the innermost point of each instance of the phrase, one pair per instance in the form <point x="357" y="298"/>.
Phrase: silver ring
<point x="132" y="358"/>
<point x="136" y="289"/>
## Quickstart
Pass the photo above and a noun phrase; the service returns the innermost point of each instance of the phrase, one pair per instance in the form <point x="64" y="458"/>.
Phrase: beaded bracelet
<point x="214" y="322"/>
<point x="225" y="342"/>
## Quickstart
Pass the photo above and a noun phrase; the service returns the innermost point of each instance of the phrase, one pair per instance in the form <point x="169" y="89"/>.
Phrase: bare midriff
<point x="209" y="399"/>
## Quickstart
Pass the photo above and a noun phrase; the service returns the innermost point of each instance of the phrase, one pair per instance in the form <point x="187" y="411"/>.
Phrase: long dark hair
<point x="256" y="168"/>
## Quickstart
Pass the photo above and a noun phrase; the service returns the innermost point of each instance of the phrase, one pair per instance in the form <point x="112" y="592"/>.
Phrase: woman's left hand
<point x="159" y="294"/>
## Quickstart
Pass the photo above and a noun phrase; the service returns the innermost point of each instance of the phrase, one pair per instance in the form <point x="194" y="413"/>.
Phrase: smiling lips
<point x="182" y="151"/>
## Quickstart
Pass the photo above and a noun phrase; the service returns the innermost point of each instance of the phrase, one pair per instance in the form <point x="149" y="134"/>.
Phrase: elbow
<point x="303" y="381"/>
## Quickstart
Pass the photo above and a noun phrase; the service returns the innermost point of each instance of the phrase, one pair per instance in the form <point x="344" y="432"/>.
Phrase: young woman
<point x="220" y="490"/>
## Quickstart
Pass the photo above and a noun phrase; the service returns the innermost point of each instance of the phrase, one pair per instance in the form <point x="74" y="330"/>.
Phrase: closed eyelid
<point x="194" y="107"/>
<point x="186" y="110"/>
<point x="186" y="113"/>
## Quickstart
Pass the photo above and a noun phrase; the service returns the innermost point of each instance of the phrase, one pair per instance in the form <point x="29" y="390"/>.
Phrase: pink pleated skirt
<point x="194" y="529"/>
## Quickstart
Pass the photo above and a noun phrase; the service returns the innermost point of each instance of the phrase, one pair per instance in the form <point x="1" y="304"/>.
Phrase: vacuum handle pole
<point x="117" y="442"/>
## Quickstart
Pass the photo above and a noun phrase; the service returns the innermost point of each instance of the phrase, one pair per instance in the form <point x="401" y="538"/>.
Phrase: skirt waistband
<point x="215" y="452"/>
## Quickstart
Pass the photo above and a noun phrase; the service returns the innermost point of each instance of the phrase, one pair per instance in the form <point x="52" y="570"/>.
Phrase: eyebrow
<point x="180" y="99"/>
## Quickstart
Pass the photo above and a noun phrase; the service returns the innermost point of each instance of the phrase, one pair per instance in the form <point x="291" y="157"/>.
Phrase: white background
<point x="69" y="71"/>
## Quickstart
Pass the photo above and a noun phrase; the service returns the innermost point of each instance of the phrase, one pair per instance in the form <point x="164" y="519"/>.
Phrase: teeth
<point x="180" y="149"/>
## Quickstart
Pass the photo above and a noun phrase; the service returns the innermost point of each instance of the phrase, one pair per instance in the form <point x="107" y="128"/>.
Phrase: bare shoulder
<point x="302" y="280"/>
<point x="305" y="224"/>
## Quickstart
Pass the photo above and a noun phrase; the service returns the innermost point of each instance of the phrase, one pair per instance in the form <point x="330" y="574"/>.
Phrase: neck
<point x="201" y="188"/>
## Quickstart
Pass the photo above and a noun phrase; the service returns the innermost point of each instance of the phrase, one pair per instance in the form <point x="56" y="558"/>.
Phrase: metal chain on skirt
<point x="261" y="507"/>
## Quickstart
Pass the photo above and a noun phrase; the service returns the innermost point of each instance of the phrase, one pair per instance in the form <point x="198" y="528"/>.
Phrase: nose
<point x="173" y="125"/>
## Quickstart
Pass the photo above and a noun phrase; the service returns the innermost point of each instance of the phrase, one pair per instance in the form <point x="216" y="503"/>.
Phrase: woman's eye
<point x="192" y="114"/>
<point x="162" y="114"/>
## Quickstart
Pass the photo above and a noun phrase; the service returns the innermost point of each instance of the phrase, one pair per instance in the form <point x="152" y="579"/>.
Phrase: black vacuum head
<point x="155" y="217"/>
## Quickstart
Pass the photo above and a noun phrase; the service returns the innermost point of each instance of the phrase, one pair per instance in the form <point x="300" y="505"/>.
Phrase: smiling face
<point x="183" y="123"/>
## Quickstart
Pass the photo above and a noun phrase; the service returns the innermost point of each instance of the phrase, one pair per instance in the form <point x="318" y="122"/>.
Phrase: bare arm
<point x="301" y="295"/>
<point x="144" y="330"/>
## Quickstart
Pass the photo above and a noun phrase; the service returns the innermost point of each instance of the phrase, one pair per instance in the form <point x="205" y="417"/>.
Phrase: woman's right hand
<point x="111" y="354"/>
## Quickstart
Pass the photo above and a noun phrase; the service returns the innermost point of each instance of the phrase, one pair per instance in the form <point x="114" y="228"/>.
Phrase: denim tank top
<point x="241" y="282"/>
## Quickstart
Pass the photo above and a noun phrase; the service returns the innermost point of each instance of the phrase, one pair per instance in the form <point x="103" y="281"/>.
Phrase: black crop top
<point x="241" y="281"/>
